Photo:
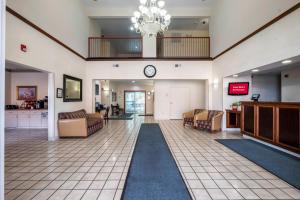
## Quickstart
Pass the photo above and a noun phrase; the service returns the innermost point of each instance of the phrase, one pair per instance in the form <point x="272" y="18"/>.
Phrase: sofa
<point x="211" y="120"/>
<point x="188" y="117"/>
<point x="79" y="123"/>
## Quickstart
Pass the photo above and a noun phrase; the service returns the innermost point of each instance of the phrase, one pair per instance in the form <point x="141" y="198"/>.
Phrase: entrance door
<point x="135" y="102"/>
<point x="179" y="102"/>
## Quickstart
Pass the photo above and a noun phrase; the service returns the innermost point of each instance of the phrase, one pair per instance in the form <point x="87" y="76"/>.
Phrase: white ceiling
<point x="121" y="26"/>
<point x="273" y="68"/>
<point x="131" y="3"/>
<point x="14" y="67"/>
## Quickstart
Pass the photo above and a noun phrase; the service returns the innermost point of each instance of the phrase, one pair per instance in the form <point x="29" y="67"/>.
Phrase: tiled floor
<point x="96" y="167"/>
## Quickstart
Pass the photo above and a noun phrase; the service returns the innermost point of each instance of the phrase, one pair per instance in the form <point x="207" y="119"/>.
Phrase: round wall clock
<point x="150" y="71"/>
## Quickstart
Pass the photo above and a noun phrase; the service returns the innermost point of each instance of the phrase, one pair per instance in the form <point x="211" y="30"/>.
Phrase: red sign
<point x="241" y="88"/>
<point x="23" y="47"/>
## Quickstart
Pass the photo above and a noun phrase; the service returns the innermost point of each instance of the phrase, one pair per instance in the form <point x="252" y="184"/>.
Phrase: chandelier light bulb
<point x="163" y="12"/>
<point x="144" y="10"/>
<point x="141" y="8"/>
<point x="135" y="26"/>
<point x="153" y="1"/>
<point x="167" y="17"/>
<point x="137" y="14"/>
<point x="154" y="10"/>
<point x="143" y="2"/>
<point x="133" y="20"/>
<point x="131" y="28"/>
<point x="161" y="4"/>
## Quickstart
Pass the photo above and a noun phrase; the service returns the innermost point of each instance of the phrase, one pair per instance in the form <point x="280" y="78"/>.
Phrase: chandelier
<point x="151" y="18"/>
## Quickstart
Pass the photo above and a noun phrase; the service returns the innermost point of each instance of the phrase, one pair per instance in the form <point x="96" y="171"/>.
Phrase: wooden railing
<point x="115" y="47"/>
<point x="183" y="47"/>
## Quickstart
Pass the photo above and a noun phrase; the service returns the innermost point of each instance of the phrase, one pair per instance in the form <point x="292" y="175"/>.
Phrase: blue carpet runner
<point x="153" y="173"/>
<point x="283" y="165"/>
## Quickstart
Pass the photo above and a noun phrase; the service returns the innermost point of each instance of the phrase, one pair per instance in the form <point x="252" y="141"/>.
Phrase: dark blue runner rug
<point x="153" y="173"/>
<point x="283" y="165"/>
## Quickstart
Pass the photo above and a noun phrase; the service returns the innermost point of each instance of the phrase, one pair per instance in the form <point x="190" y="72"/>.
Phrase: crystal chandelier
<point x="151" y="18"/>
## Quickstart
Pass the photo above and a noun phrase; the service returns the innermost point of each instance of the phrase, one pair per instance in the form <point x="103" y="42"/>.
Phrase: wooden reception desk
<point x="275" y="122"/>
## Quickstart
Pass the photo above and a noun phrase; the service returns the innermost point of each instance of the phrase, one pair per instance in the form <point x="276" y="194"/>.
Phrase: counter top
<point x="270" y="103"/>
<point x="26" y="110"/>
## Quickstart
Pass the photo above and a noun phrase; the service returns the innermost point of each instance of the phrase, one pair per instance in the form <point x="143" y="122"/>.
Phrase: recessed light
<point x="286" y="61"/>
<point x="255" y="70"/>
<point x="235" y="75"/>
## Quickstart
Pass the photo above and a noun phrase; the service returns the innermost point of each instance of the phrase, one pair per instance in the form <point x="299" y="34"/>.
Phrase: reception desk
<point x="275" y="122"/>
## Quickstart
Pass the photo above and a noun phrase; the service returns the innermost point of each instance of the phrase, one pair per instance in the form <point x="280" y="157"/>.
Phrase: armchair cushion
<point x="202" y="115"/>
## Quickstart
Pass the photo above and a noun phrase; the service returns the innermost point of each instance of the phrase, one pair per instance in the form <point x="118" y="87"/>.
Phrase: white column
<point x="149" y="47"/>
<point x="51" y="107"/>
<point x="2" y="95"/>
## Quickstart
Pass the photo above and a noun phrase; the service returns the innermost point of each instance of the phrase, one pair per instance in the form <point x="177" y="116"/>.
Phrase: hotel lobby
<point x="150" y="100"/>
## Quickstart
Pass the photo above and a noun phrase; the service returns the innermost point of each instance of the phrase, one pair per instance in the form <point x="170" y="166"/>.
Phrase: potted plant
<point x="235" y="106"/>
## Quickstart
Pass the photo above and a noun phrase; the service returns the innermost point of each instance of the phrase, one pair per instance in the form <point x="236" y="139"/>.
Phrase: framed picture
<point x="97" y="89"/>
<point x="59" y="93"/>
<point x="113" y="96"/>
<point x="27" y="93"/>
<point x="72" y="90"/>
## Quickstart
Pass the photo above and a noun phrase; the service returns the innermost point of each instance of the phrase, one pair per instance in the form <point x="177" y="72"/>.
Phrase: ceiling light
<point x="161" y="4"/>
<point x="286" y="61"/>
<point x="151" y="19"/>
<point x="235" y="75"/>
<point x="255" y="70"/>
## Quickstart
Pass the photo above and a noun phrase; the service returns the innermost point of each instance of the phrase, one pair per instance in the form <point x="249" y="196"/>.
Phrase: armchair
<point x="188" y="117"/>
<point x="213" y="122"/>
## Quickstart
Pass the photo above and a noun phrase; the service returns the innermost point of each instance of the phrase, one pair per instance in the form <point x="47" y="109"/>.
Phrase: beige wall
<point x="28" y="79"/>
<point x="7" y="88"/>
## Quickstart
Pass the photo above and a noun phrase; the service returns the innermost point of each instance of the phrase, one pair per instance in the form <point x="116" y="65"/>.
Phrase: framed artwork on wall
<point x="72" y="91"/>
<point x="59" y="93"/>
<point x="113" y="96"/>
<point x="97" y="89"/>
<point x="27" y="93"/>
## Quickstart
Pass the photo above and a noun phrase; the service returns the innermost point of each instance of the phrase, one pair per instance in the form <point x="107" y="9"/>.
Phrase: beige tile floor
<point x="96" y="167"/>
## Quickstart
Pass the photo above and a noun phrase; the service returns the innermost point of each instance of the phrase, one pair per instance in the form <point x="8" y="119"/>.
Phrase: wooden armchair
<point x="188" y="117"/>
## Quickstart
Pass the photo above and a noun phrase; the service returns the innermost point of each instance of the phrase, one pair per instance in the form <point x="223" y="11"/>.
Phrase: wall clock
<point x="150" y="71"/>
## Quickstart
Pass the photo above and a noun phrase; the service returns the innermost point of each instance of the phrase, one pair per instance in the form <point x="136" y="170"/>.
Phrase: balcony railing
<point x="183" y="47"/>
<point x="115" y="47"/>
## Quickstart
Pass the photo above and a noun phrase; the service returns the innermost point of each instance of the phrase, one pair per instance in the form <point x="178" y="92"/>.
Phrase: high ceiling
<point x="121" y="26"/>
<point x="130" y="3"/>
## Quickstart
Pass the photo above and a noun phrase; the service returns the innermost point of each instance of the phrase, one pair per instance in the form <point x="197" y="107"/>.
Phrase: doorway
<point x="135" y="102"/>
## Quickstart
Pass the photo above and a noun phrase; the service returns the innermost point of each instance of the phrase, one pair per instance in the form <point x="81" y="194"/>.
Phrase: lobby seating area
<point x="79" y="124"/>
<point x="201" y="119"/>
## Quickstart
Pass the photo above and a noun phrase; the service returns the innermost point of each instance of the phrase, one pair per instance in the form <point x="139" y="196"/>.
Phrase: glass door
<point x="135" y="102"/>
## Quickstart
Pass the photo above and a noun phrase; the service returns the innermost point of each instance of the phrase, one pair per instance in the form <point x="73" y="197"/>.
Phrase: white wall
<point x="46" y="55"/>
<point x="28" y="79"/>
<point x="133" y="70"/>
<point x="162" y="95"/>
<point x="232" y="20"/>
<point x="290" y="90"/>
<point x="2" y="94"/>
<point x="64" y="19"/>
<point x="266" y="47"/>
<point x="268" y="86"/>
<point x="7" y="88"/>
